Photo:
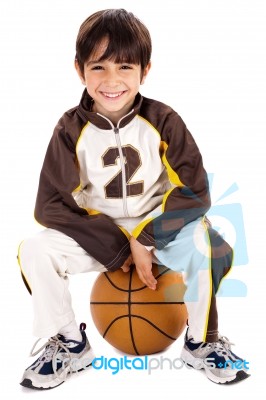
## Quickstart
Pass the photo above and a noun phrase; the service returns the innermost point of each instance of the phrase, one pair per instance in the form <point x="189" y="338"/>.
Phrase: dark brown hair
<point x="128" y="39"/>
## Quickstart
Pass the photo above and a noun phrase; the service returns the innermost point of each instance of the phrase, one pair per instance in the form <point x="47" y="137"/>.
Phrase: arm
<point x="56" y="208"/>
<point x="188" y="198"/>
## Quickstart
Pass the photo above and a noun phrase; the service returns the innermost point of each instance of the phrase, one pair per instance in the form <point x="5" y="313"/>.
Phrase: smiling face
<point x="113" y="86"/>
<point x="113" y="52"/>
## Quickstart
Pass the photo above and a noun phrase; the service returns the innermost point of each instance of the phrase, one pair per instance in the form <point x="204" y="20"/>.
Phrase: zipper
<point x="122" y="160"/>
<point x="123" y="171"/>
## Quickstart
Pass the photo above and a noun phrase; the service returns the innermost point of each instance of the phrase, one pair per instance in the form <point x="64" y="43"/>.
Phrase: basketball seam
<point x="138" y="302"/>
<point x="134" y="290"/>
<point x="111" y="323"/>
<point x="154" y="326"/>
<point x="129" y="311"/>
<point x="144" y="319"/>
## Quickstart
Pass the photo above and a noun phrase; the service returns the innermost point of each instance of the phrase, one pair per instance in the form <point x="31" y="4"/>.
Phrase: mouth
<point x="114" y="95"/>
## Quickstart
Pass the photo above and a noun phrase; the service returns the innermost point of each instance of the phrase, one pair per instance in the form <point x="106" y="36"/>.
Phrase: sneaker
<point x="221" y="365"/>
<point x="61" y="357"/>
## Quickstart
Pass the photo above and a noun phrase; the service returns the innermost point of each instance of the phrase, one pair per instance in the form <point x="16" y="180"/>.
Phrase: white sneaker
<point x="61" y="357"/>
<point x="221" y="365"/>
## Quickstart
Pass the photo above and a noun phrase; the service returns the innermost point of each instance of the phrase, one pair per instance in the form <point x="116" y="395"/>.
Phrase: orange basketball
<point x="135" y="319"/>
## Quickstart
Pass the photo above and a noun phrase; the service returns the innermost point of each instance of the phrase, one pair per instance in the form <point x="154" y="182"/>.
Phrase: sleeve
<point x="188" y="198"/>
<point x="56" y="208"/>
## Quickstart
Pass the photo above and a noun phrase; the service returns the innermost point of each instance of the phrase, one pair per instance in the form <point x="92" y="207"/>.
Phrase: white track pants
<point x="48" y="258"/>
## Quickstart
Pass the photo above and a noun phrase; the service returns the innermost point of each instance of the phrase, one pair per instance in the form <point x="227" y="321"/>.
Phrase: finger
<point x="151" y="282"/>
<point x="125" y="268"/>
<point x="148" y="279"/>
<point x="128" y="261"/>
<point x="151" y="285"/>
<point x="141" y="276"/>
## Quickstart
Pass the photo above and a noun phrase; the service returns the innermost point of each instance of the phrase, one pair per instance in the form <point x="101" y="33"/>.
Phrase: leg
<point x="45" y="261"/>
<point x="205" y="258"/>
<point x="221" y="263"/>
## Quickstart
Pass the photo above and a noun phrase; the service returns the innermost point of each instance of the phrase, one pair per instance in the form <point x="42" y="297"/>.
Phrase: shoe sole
<point x="189" y="359"/>
<point x="27" y="383"/>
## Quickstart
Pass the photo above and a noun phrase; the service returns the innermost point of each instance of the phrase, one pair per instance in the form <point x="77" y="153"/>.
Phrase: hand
<point x="143" y="261"/>
<point x="126" y="266"/>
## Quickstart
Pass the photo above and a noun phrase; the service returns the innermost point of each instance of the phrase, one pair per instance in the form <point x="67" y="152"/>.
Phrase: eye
<point x="96" y="68"/>
<point x="125" y="67"/>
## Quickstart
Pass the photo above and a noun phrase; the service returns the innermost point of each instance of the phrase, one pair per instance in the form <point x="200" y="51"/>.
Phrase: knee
<point x="27" y="253"/>
<point x="34" y="257"/>
<point x="220" y="249"/>
<point x="32" y="251"/>
<point x="31" y="248"/>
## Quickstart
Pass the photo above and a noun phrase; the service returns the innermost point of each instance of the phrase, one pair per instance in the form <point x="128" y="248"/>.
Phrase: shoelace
<point x="222" y="347"/>
<point x="226" y="342"/>
<point x="52" y="347"/>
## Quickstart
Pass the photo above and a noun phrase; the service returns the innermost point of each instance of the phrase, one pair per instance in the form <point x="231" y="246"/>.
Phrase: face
<point x="112" y="86"/>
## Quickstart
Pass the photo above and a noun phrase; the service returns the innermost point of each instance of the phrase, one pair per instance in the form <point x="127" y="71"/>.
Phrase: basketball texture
<point x="135" y="319"/>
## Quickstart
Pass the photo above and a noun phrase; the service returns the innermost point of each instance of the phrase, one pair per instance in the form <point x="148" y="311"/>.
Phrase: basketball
<point x="135" y="319"/>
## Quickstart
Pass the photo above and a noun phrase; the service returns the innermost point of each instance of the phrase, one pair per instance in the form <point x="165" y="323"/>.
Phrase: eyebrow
<point x="88" y="63"/>
<point x="93" y="62"/>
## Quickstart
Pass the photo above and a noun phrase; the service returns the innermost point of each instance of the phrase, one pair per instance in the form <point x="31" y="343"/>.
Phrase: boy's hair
<point x="128" y="39"/>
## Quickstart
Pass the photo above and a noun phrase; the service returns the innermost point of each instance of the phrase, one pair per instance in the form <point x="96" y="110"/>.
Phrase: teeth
<point x="112" y="94"/>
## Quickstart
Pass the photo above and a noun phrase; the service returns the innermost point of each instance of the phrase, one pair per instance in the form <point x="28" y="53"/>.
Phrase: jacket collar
<point x="85" y="106"/>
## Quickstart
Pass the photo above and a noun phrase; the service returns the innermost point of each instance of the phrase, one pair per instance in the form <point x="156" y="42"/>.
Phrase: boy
<point x="122" y="182"/>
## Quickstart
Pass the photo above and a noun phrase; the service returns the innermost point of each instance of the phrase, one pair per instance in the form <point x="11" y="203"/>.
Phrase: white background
<point x="209" y="64"/>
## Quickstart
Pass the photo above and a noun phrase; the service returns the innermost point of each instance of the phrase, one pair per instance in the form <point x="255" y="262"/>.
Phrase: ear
<point x="80" y="73"/>
<point x="145" y="73"/>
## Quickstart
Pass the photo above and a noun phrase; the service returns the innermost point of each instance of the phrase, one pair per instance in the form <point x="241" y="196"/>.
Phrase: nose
<point x="111" y="78"/>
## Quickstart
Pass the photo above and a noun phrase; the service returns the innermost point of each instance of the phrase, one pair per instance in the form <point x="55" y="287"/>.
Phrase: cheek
<point x="90" y="89"/>
<point x="91" y="84"/>
<point x="134" y="82"/>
